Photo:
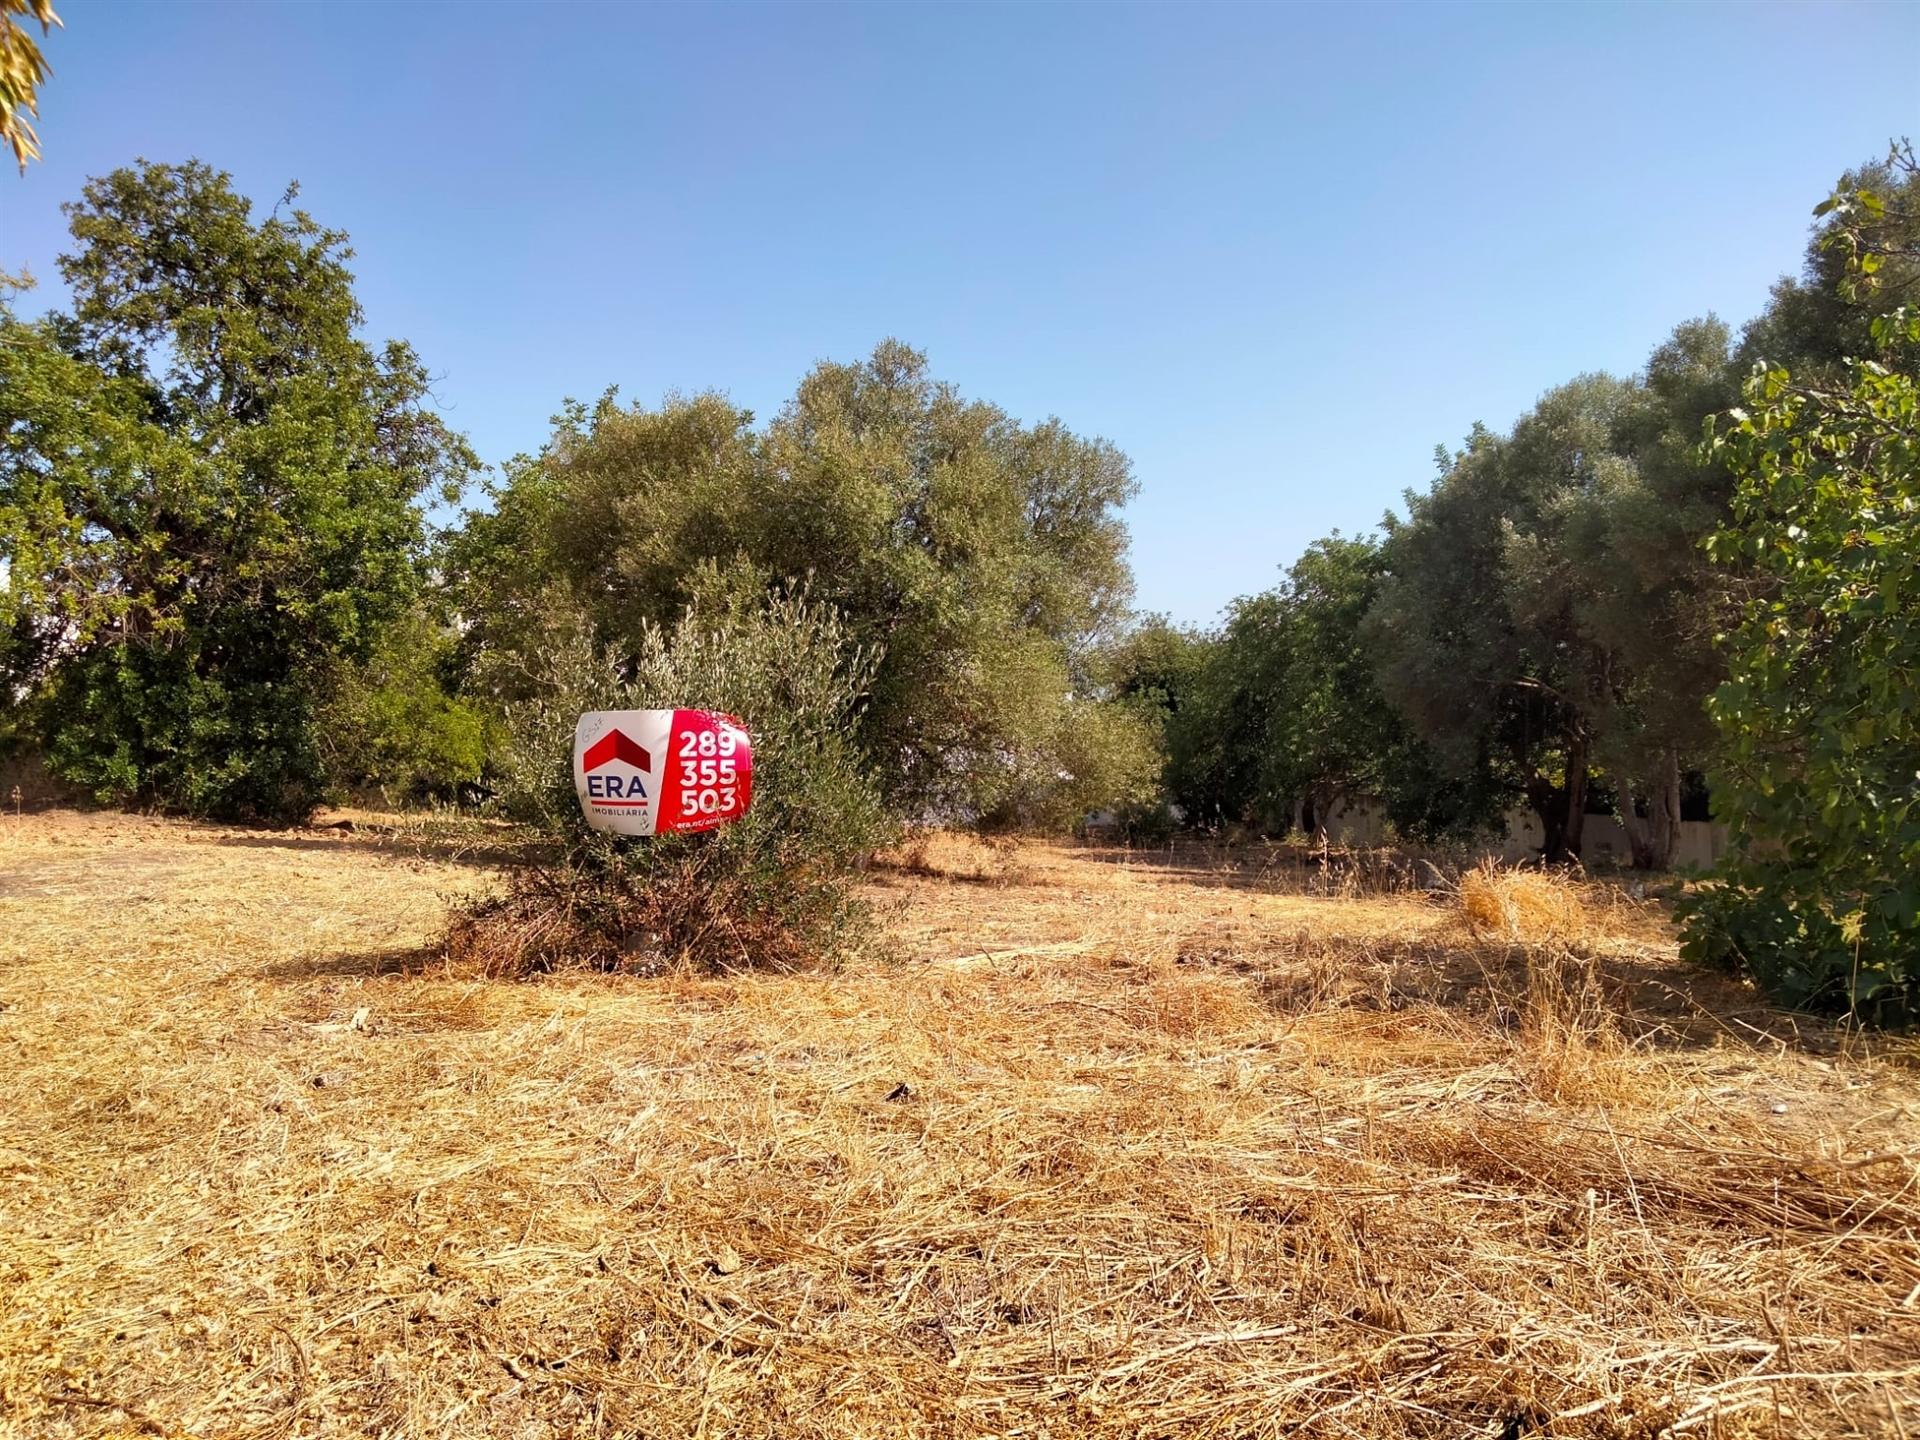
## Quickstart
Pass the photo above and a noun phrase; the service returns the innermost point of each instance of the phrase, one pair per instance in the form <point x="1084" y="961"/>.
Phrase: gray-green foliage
<point x="775" y="888"/>
<point x="1546" y="615"/>
<point x="1461" y="649"/>
<point x="1278" y="720"/>
<point x="982" y="557"/>
<point x="1549" y="614"/>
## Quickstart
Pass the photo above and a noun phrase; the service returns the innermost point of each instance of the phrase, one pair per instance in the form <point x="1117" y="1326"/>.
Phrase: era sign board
<point x="661" y="772"/>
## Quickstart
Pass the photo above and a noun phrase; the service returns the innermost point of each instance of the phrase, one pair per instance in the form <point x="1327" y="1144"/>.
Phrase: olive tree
<point x="983" y="558"/>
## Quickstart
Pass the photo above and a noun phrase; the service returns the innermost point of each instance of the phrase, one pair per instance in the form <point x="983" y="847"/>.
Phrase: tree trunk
<point x="1324" y="799"/>
<point x="1655" y="838"/>
<point x="1639" y="830"/>
<point x="1544" y="800"/>
<point x="1666" y="814"/>
<point x="1563" y="808"/>
<point x="1576" y="826"/>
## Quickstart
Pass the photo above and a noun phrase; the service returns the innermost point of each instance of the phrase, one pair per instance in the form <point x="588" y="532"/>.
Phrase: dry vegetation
<point x="1531" y="907"/>
<point x="959" y="855"/>
<point x="1110" y="1147"/>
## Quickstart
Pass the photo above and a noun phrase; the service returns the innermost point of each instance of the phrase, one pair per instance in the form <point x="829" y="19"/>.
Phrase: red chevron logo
<point x="615" y="745"/>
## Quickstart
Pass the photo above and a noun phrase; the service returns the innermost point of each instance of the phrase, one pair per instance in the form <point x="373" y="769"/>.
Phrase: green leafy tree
<point x="1546" y="619"/>
<point x="1862" y="262"/>
<point x="1820" y="895"/>
<point x="1285" y="721"/>
<point x="1472" y="633"/>
<point x="1819" y="769"/>
<point x="1155" y="671"/>
<point x="395" y="722"/>
<point x="1288" y="720"/>
<point x="1332" y="739"/>
<point x="982" y="557"/>
<point x="1220" y="739"/>
<point x="1643" y="589"/>
<point x="1155" y="663"/>
<point x="208" y="494"/>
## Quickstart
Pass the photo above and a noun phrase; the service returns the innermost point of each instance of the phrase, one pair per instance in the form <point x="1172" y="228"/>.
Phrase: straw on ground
<point x="1110" y="1147"/>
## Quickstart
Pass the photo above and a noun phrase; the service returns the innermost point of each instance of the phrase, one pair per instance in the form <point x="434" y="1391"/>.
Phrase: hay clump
<point x="959" y="855"/>
<point x="1524" y="906"/>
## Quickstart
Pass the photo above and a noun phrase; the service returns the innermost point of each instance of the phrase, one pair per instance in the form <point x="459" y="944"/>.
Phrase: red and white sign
<point x="661" y="772"/>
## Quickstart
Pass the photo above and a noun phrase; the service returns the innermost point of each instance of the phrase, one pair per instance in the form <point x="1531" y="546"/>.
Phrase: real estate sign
<point x="661" y="772"/>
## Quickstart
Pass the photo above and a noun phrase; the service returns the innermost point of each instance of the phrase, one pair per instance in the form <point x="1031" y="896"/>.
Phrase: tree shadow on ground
<point x="398" y="960"/>
<point x="483" y="853"/>
<point x="1273" y="869"/>
<point x="1195" y="859"/>
<point x="1650" y="998"/>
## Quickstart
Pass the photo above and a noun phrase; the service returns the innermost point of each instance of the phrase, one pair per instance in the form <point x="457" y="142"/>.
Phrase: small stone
<point x="727" y="1261"/>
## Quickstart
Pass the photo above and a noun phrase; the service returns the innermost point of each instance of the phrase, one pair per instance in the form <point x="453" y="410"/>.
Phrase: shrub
<point x="777" y="888"/>
<point x="1150" y="823"/>
<point x="164" y="725"/>
<point x="392" y="722"/>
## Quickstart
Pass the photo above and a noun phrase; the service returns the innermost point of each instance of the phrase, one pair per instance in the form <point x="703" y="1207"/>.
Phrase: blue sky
<point x="1275" y="253"/>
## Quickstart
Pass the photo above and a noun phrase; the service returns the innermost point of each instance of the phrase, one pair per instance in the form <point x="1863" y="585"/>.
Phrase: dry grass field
<point x="1108" y="1145"/>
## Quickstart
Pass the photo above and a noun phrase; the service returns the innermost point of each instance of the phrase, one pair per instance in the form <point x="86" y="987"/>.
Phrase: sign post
<point x="661" y="772"/>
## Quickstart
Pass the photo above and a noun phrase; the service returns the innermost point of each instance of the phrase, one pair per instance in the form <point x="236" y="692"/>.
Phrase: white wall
<point x="1603" y="840"/>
